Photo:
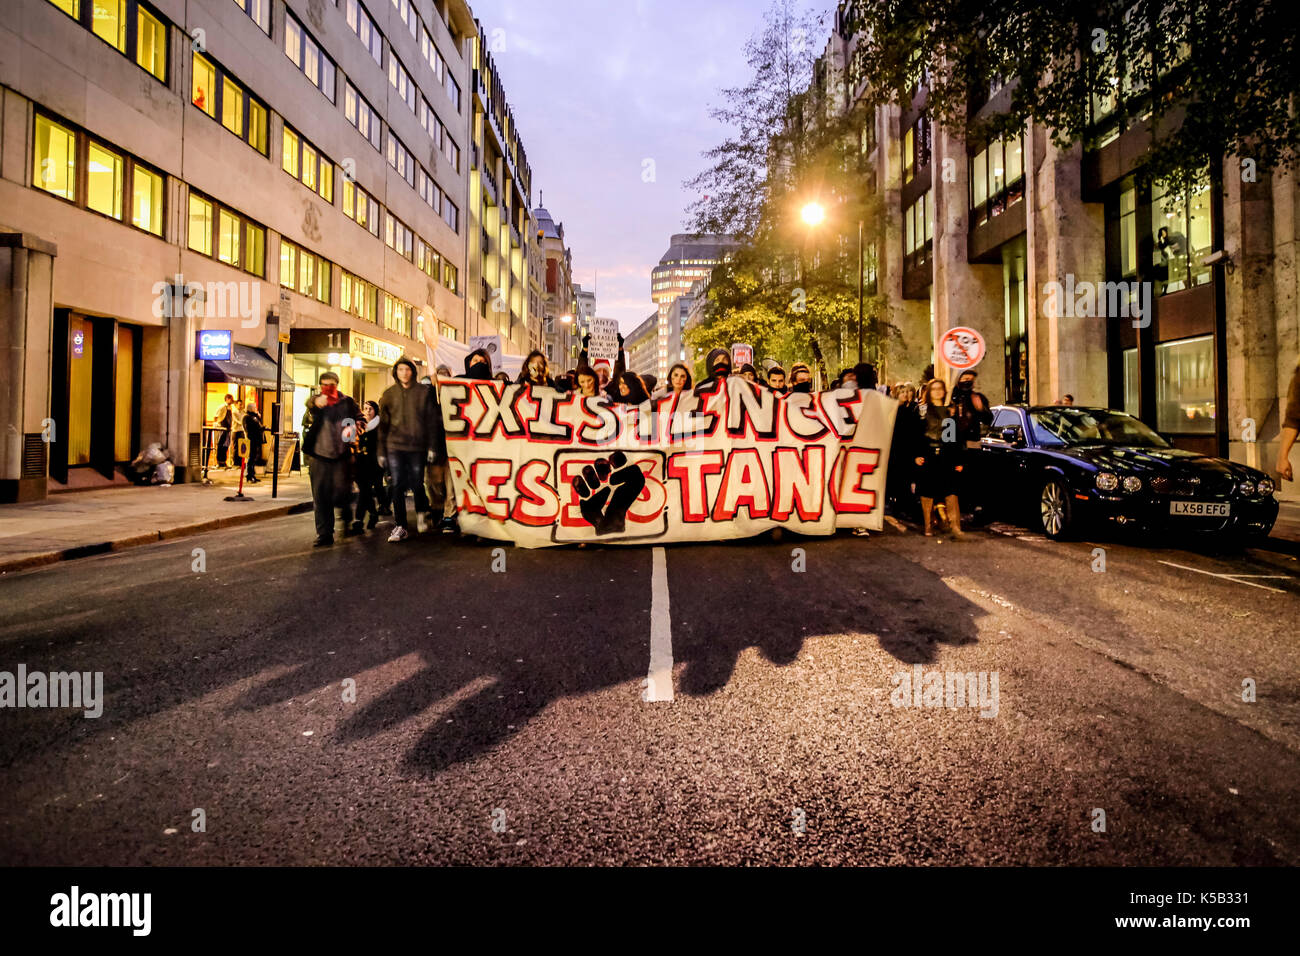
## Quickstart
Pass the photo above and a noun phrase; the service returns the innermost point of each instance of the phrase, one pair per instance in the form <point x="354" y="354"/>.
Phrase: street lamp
<point x="566" y="319"/>
<point x="813" y="213"/>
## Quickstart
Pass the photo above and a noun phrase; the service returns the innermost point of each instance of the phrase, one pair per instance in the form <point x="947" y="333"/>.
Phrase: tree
<point x="1213" y="78"/>
<point x="791" y="290"/>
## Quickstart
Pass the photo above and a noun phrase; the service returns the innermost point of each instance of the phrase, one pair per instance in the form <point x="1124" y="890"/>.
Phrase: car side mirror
<point x="1012" y="435"/>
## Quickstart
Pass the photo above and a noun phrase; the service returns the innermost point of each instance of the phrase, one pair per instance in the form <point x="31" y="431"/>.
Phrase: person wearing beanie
<point x="749" y="373"/>
<point x="329" y="427"/>
<point x="800" y="378"/>
<point x="410" y="427"/>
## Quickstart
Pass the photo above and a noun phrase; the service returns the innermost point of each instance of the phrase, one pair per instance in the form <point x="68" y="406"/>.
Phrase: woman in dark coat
<point x="254" y="431"/>
<point x="938" y="461"/>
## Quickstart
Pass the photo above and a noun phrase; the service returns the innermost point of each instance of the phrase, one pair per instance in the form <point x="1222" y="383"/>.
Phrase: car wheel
<point x="1054" y="509"/>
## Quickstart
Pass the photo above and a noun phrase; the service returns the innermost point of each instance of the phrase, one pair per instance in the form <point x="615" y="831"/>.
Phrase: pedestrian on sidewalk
<point x="226" y="422"/>
<point x="409" y="426"/>
<point x="330" y="429"/>
<point x="370" y="477"/>
<point x="254" y="431"/>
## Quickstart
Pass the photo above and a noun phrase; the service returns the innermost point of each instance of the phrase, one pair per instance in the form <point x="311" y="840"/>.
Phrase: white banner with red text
<point x="732" y="459"/>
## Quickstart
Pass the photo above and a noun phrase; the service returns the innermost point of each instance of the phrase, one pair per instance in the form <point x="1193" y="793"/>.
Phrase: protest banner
<point x="728" y="460"/>
<point x="741" y="354"/>
<point x="604" y="341"/>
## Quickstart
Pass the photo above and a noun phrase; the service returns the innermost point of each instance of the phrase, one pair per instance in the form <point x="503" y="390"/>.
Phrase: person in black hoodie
<point x="409" y="426"/>
<point x="328" y="431"/>
<point x="974" y="414"/>
<point x="478" y="365"/>
<point x="717" y="367"/>
<point x="629" y="389"/>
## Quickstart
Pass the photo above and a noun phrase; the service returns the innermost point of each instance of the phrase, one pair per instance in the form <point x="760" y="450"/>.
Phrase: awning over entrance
<point x="246" y="366"/>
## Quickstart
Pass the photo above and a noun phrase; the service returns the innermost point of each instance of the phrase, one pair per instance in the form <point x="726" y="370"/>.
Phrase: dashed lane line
<point x="659" y="681"/>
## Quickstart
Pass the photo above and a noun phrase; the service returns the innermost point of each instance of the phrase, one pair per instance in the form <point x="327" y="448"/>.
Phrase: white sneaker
<point x="399" y="534"/>
<point x="422" y="522"/>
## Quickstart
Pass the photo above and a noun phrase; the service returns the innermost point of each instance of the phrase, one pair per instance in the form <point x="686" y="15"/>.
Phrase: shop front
<point x="248" y="375"/>
<point x="364" y="364"/>
<point x="94" y="395"/>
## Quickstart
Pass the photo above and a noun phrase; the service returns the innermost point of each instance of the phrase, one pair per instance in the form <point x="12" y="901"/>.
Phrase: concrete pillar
<point x="1252" y="347"/>
<point x="965" y="294"/>
<point x="1066" y="241"/>
<point x="1286" y="307"/>
<point x="26" y="308"/>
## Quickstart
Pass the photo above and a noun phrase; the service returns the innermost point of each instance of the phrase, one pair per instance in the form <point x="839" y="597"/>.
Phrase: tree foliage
<point x="791" y="290"/>
<point x="1213" y="78"/>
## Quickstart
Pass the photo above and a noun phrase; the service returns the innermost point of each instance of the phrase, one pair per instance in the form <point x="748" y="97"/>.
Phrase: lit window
<point x="204" y="84"/>
<point x="151" y="44"/>
<point x="255" y="258"/>
<point x="232" y="106"/>
<point x="71" y="7"/>
<point x="228" y="238"/>
<point x="147" y="200"/>
<point x="290" y="161"/>
<point x="54" y="159"/>
<point x="257" y="126"/>
<point x="288" y="263"/>
<point x="104" y="181"/>
<point x="200" y="237"/>
<point x="109" y="21"/>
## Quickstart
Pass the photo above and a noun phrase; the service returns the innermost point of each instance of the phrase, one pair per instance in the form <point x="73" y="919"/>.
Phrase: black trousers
<point x="331" y="487"/>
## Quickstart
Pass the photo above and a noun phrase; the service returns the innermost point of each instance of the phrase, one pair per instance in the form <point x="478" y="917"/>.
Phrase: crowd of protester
<point x="396" y="446"/>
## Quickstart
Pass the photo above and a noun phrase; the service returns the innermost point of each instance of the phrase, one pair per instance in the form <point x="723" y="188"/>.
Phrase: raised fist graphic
<point x="607" y="488"/>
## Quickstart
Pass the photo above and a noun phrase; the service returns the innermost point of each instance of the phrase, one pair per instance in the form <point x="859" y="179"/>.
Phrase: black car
<point x="1060" y="468"/>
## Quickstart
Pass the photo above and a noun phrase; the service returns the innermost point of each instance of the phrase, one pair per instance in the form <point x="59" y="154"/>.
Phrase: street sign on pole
<point x="961" y="348"/>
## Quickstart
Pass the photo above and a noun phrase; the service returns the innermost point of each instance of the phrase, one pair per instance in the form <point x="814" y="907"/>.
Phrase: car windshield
<point x="1092" y="426"/>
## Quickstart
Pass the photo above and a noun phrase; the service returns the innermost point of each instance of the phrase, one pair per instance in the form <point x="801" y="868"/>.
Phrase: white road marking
<point x="1234" y="577"/>
<point x="659" y="682"/>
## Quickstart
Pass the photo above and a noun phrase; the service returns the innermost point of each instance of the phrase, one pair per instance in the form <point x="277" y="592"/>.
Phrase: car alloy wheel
<point x="1054" y="509"/>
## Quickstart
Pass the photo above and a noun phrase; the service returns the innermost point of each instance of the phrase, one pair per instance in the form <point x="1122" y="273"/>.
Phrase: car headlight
<point x="1106" y="481"/>
<point x="1246" y="487"/>
<point x="1132" y="483"/>
<point x="1265" y="487"/>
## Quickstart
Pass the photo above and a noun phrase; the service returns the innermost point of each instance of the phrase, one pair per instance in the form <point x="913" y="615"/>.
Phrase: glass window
<point x="228" y="238"/>
<point x="200" y="233"/>
<point x="997" y="171"/>
<point x="290" y="159"/>
<point x="909" y="155"/>
<point x="1200" y="240"/>
<point x="71" y="7"/>
<point x="1169" y="220"/>
<point x="54" y="160"/>
<point x="257" y="126"/>
<point x="147" y="200"/>
<point x="1185" y="386"/>
<point x="323" y="282"/>
<point x="1015" y="159"/>
<point x="288" y="263"/>
<point x="306" y="273"/>
<point x="151" y="44"/>
<point x="104" y="173"/>
<point x="232" y="106"/>
<point x="310" y="164"/>
<point x="326" y="189"/>
<point x="1132" y="380"/>
<point x="979" y="182"/>
<point x="1128" y="232"/>
<point x="293" y="41"/>
<point x="204" y="85"/>
<point x="255" y="257"/>
<point x="108" y="21"/>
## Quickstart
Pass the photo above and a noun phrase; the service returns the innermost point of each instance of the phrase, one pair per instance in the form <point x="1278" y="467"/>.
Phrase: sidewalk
<point x="77" y="524"/>
<point x="1286" y="531"/>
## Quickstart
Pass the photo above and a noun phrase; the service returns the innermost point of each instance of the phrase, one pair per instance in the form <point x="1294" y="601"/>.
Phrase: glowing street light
<point x="566" y="319"/>
<point x="813" y="213"/>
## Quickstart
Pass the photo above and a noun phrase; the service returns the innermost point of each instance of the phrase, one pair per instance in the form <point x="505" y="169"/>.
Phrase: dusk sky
<point x="598" y="88"/>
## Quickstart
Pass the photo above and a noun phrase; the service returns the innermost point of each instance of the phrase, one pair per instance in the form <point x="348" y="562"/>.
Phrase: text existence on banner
<point x="540" y="467"/>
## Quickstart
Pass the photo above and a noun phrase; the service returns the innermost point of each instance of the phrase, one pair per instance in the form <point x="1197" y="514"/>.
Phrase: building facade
<point x="1181" y="309"/>
<point x="688" y="259"/>
<point x="559" y="305"/>
<point x="500" y="197"/>
<point x="641" y="346"/>
<point x="173" y="168"/>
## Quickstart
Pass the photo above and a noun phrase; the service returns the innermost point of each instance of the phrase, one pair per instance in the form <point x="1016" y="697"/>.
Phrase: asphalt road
<point x="499" y="715"/>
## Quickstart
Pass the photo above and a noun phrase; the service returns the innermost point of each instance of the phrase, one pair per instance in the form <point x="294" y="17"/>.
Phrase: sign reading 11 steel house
<point x="731" y="459"/>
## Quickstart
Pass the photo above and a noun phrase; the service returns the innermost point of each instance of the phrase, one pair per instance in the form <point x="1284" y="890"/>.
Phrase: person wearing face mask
<point x="776" y="379"/>
<point x="329" y="428"/>
<point x="717" y="366"/>
<point x="800" y="378"/>
<point x="535" y="372"/>
<point x="478" y="366"/>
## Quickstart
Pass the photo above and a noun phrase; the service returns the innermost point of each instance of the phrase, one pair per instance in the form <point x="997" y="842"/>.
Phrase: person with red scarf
<point x="330" y="429"/>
